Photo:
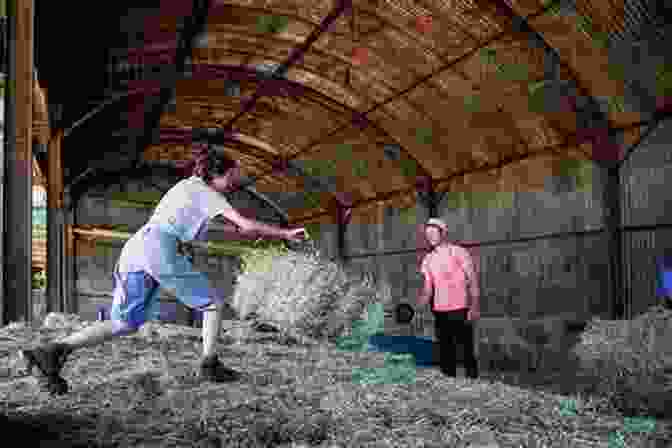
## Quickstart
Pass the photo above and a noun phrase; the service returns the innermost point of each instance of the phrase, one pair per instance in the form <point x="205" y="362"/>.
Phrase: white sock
<point x="98" y="333"/>
<point x="212" y="323"/>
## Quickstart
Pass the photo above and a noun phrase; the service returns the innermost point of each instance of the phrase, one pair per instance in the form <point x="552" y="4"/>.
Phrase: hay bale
<point x="304" y="292"/>
<point x="631" y="358"/>
<point x="628" y="342"/>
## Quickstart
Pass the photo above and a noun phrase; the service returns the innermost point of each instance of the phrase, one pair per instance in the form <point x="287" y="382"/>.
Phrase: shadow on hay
<point x="49" y="430"/>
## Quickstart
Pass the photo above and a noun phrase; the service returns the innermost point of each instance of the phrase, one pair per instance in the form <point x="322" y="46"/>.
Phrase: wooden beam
<point x="40" y="128"/>
<point x="69" y="270"/>
<point x="38" y="176"/>
<point x="343" y="218"/>
<point x="55" y="225"/>
<point x="55" y="190"/>
<point x="17" y="254"/>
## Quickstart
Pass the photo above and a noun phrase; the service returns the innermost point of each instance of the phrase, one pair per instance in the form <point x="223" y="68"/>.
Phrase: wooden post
<point x="3" y="157"/>
<point x="70" y="286"/>
<point x="343" y="215"/>
<point x="55" y="225"/>
<point x="17" y="260"/>
<point x="612" y="220"/>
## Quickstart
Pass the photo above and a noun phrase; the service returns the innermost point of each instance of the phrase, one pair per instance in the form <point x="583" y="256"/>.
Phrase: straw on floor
<point x="297" y="388"/>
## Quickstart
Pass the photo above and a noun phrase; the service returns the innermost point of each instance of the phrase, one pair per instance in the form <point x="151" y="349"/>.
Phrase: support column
<point x="70" y="265"/>
<point x="55" y="226"/>
<point x="17" y="290"/>
<point x="343" y="217"/>
<point x="612" y="221"/>
<point x="3" y="149"/>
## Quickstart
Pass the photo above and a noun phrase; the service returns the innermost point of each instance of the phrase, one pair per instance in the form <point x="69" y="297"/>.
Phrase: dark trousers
<point x="453" y="327"/>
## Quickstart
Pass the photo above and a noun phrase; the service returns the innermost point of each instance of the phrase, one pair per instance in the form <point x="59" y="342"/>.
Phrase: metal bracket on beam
<point x="639" y="141"/>
<point x="360" y="121"/>
<point x="280" y="165"/>
<point x="346" y="5"/>
<point x="344" y="213"/>
<point x="428" y="196"/>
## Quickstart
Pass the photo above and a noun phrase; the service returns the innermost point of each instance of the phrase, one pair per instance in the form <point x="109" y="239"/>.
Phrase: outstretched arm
<point x="251" y="227"/>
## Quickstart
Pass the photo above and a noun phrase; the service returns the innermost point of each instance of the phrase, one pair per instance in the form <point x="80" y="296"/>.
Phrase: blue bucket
<point x="421" y="348"/>
<point x="665" y="276"/>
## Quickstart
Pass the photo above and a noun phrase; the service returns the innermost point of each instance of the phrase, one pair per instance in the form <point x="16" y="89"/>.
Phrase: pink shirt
<point x="453" y="275"/>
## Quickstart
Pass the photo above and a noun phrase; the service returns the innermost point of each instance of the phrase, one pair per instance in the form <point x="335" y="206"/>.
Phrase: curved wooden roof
<point x="445" y="88"/>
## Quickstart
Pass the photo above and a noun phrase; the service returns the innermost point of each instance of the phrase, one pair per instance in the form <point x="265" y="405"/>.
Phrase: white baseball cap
<point x="440" y="223"/>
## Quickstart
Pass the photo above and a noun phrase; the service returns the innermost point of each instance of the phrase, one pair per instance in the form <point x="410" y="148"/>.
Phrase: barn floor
<point x="289" y="394"/>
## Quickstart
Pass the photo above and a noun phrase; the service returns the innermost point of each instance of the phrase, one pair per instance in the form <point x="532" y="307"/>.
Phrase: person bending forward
<point x="151" y="259"/>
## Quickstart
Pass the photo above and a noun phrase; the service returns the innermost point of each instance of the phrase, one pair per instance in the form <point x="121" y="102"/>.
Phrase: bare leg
<point x="97" y="334"/>
<point x="212" y="324"/>
<point x="211" y="368"/>
<point x="51" y="358"/>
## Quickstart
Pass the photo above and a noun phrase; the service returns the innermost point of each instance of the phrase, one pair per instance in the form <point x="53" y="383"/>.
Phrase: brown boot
<point x="214" y="371"/>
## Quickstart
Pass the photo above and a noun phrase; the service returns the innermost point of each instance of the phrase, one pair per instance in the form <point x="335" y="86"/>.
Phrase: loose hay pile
<point x="633" y="358"/>
<point x="304" y="292"/>
<point x="141" y="391"/>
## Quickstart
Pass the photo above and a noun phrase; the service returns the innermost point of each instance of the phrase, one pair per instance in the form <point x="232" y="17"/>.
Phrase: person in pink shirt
<point x="451" y="285"/>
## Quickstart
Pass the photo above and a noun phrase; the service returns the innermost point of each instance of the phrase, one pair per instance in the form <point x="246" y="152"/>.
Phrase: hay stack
<point x="303" y="292"/>
<point x="633" y="358"/>
<point x="630" y="342"/>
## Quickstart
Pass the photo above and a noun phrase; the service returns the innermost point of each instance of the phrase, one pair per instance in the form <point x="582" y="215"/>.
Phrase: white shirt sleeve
<point x="214" y="203"/>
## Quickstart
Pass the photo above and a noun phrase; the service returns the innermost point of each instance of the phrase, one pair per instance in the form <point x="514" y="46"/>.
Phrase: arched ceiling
<point x="380" y="98"/>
